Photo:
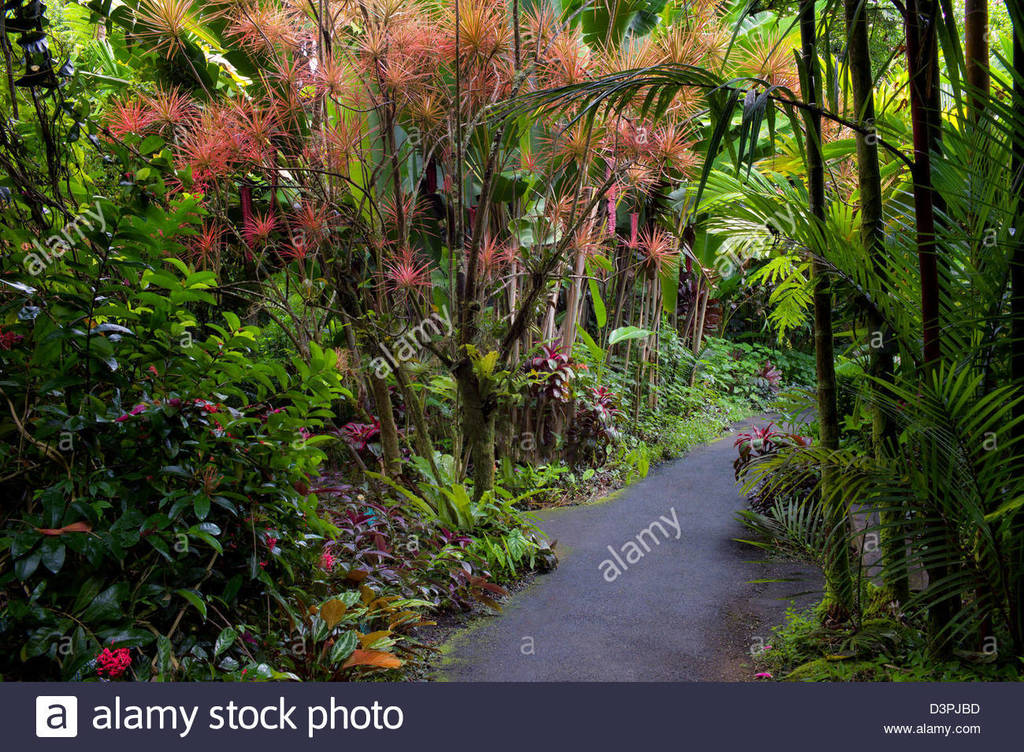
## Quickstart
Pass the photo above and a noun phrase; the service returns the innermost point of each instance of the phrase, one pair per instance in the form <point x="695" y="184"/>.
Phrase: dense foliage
<point x="305" y="306"/>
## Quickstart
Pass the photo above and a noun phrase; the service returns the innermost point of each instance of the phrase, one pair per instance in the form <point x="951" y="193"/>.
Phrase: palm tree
<point x="839" y="580"/>
<point x="869" y="183"/>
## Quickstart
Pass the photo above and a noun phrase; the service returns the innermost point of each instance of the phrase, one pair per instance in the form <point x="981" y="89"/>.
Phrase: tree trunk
<point x="388" y="429"/>
<point x="976" y="42"/>
<point x="839" y="581"/>
<point x="920" y="38"/>
<point x="574" y="304"/>
<point x="478" y="418"/>
<point x="421" y="436"/>
<point x="882" y="359"/>
<point x="918" y="66"/>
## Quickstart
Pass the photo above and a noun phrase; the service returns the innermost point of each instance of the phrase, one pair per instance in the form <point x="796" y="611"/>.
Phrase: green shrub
<point x="155" y="475"/>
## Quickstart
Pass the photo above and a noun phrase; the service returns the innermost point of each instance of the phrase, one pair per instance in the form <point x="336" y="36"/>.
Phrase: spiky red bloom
<point x="657" y="250"/>
<point x="299" y="249"/>
<point x="165" y="25"/>
<point x="170" y="109"/>
<point x="252" y="129"/>
<point x="639" y="177"/>
<point x="405" y="274"/>
<point x="484" y="31"/>
<point x="207" y="155"/>
<point x="627" y="140"/>
<point x="566" y="62"/>
<point x="494" y="257"/>
<point x="206" y="246"/>
<point x="263" y="27"/>
<point x="216" y="145"/>
<point x="335" y="79"/>
<point x="676" y="149"/>
<point x="412" y="209"/>
<point x="310" y="222"/>
<point x="589" y="237"/>
<point x="574" y="144"/>
<point x="259" y="229"/>
<point x="128" y="117"/>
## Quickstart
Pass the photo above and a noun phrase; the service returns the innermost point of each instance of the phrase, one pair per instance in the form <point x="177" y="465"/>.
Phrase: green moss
<point x="881" y="649"/>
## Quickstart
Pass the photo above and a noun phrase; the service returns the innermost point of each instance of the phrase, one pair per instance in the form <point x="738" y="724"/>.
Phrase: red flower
<point x="169" y="109"/>
<point x="113" y="662"/>
<point x="10" y="339"/>
<point x="311" y="222"/>
<point x="205" y="247"/>
<point x="406" y="274"/>
<point x="128" y="117"/>
<point x="259" y="229"/>
<point x="206" y="407"/>
<point x="327" y="561"/>
<point x="297" y="250"/>
<point x="657" y="250"/>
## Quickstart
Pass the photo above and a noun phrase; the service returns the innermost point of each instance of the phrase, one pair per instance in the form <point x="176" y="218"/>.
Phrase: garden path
<point x="673" y="601"/>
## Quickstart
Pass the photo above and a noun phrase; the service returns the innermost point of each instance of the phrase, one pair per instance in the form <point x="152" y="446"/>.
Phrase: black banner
<point x="516" y="717"/>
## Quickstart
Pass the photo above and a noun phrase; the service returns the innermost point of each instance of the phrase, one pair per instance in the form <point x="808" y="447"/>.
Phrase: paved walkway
<point x="671" y="601"/>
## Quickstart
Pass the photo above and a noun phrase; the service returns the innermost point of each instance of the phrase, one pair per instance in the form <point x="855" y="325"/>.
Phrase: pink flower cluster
<point x="113" y="662"/>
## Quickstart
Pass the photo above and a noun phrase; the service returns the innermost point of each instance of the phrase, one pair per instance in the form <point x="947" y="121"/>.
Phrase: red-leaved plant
<point x="757" y="443"/>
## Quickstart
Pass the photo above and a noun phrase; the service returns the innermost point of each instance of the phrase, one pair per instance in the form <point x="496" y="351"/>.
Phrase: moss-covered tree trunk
<point x="478" y="421"/>
<point x="388" y="429"/>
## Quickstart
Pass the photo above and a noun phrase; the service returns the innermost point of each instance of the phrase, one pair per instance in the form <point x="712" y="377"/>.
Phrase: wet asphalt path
<point x="684" y="609"/>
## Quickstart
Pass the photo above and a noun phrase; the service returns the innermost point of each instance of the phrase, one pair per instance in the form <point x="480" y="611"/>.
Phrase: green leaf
<point x="349" y="597"/>
<point x="194" y="598"/>
<point x="344" y="646"/>
<point x="125" y="638"/>
<point x="415" y="500"/>
<point x="624" y="333"/>
<point x="164" y="654"/>
<point x="107" y="605"/>
<point x="26" y="566"/>
<point x="151" y="144"/>
<point x="52" y="552"/>
<point x="600" y="312"/>
<point x="596" y="351"/>
<point x="225" y="639"/>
